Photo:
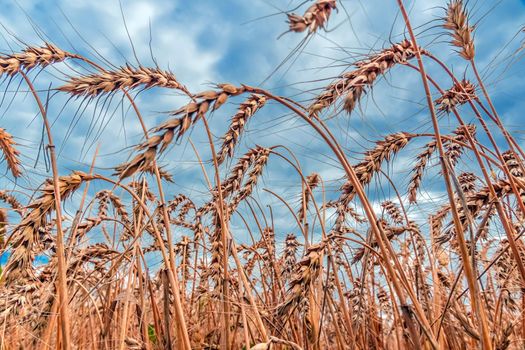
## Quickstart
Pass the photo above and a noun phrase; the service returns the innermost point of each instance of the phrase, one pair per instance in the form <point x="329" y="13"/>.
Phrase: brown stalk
<point x="445" y="168"/>
<point x="147" y="166"/>
<point x="62" y="278"/>
<point x="385" y="248"/>
<point x="222" y="213"/>
<point x="501" y="213"/>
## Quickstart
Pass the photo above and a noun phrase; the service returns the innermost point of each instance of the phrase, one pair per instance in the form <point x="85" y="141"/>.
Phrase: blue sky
<point x="205" y="41"/>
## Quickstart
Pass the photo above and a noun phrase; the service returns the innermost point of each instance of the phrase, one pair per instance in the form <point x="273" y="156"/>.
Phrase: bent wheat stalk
<point x="482" y="318"/>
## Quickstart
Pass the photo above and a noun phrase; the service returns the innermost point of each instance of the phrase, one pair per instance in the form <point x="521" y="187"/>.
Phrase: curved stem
<point x="445" y="164"/>
<point x="63" y="299"/>
<point x="224" y="238"/>
<point x="380" y="235"/>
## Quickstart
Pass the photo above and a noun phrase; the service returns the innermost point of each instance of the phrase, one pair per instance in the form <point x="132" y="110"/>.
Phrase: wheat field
<point x="406" y="240"/>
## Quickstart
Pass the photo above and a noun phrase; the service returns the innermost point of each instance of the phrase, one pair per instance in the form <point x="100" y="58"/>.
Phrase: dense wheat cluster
<point x="357" y="272"/>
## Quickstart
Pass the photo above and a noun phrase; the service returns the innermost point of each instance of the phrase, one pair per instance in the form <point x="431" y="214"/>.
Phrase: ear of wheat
<point x="383" y="151"/>
<point x="390" y="231"/>
<point x="166" y="132"/>
<point x="11" y="200"/>
<point x="476" y="202"/>
<point x="11" y="154"/>
<point x="26" y="234"/>
<point x="393" y="211"/>
<point x="238" y="122"/>
<point x="249" y="166"/>
<point x="467" y="182"/>
<point x="32" y="57"/>
<point x="456" y="20"/>
<point x="305" y="273"/>
<point x="312" y="181"/>
<point x="315" y="17"/>
<point x="459" y="94"/>
<point x="352" y="84"/>
<point x="126" y="77"/>
<point x="417" y="172"/>
<point x="453" y="149"/>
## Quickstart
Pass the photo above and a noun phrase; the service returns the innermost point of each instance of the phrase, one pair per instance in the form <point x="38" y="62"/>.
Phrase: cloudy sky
<point x="239" y="41"/>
